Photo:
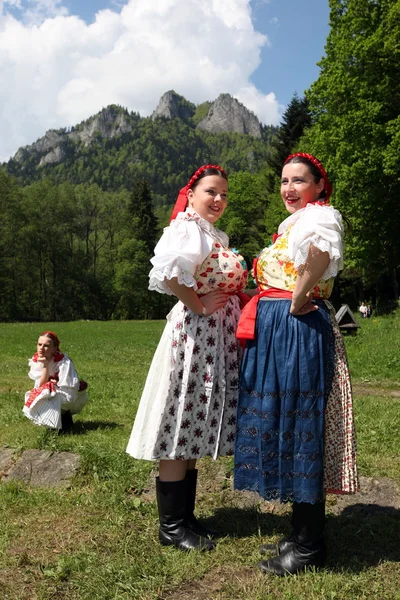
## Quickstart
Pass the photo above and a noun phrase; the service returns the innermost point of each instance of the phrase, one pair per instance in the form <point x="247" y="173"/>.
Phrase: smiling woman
<point x="299" y="186"/>
<point x="209" y="197"/>
<point x="296" y="435"/>
<point x="188" y="406"/>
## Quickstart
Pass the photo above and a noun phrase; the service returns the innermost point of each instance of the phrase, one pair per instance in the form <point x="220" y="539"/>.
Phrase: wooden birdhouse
<point x="346" y="320"/>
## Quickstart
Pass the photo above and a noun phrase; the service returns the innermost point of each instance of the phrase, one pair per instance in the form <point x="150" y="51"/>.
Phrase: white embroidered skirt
<point x="189" y="402"/>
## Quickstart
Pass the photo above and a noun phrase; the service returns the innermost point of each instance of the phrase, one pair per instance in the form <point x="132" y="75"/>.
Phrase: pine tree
<point x="295" y="120"/>
<point x="143" y="224"/>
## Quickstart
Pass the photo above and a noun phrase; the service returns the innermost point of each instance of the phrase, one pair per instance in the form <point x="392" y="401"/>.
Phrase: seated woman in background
<point x="58" y="391"/>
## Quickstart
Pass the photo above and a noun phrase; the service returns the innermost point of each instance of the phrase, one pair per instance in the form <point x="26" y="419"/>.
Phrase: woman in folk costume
<point x="58" y="391"/>
<point x="296" y="437"/>
<point x="189" y="403"/>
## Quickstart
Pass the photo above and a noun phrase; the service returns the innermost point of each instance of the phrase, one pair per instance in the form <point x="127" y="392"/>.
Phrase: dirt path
<point x="366" y="390"/>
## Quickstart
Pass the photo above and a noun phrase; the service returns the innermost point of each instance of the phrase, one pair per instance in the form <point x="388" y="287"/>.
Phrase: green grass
<point x="374" y="353"/>
<point x="98" y="539"/>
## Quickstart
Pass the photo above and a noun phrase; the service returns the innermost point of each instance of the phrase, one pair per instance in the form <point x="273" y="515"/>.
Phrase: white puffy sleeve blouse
<point x="322" y="227"/>
<point x="184" y="245"/>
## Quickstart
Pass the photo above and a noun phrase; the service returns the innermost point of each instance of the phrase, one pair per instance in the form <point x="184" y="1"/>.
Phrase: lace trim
<point x="325" y="246"/>
<point x="158" y="279"/>
<point x="276" y="494"/>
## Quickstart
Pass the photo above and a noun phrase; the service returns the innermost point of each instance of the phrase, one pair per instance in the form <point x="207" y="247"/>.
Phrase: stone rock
<point x="228" y="114"/>
<point x="21" y="155"/>
<point x="108" y="123"/>
<point x="43" y="145"/>
<point x="54" y="156"/>
<point x="44" y="468"/>
<point x="50" y="140"/>
<point x="7" y="459"/>
<point x="173" y="106"/>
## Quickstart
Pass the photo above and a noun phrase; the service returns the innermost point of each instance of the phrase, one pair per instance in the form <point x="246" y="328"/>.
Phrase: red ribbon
<point x="180" y="204"/>
<point x="275" y="236"/>
<point x="247" y="322"/>
<point x="57" y="356"/>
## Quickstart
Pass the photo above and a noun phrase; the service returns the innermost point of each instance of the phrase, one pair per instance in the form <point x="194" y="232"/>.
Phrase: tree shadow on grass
<point x="360" y="537"/>
<point x="246" y="522"/>
<point x="83" y="427"/>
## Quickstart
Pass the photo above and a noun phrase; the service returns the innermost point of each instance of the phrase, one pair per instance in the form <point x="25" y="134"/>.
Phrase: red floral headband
<point x="312" y="159"/>
<point x="182" y="200"/>
<point x="199" y="171"/>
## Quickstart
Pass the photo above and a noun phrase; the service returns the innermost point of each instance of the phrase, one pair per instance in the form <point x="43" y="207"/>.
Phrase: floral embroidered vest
<point x="223" y="269"/>
<point x="275" y="269"/>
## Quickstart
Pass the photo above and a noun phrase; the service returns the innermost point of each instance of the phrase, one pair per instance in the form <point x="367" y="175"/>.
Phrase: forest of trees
<point x="76" y="238"/>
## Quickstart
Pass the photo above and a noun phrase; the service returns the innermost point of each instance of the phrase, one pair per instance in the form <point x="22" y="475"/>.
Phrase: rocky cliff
<point x="228" y="114"/>
<point x="173" y="106"/>
<point x="225" y="114"/>
<point x="108" y="123"/>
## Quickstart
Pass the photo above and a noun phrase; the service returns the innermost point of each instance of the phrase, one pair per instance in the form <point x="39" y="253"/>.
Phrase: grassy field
<point x="98" y="539"/>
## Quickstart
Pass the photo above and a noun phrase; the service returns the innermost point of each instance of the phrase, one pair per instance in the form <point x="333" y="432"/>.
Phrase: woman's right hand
<point x="213" y="301"/>
<point x="44" y="361"/>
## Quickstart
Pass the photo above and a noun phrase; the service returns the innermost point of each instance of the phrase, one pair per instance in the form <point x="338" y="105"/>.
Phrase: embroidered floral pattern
<point x="224" y="269"/>
<point x="200" y="412"/>
<point x="275" y="269"/>
<point x="340" y="439"/>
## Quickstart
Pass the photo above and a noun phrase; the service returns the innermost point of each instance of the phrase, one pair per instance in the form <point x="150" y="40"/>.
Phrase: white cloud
<point x="59" y="70"/>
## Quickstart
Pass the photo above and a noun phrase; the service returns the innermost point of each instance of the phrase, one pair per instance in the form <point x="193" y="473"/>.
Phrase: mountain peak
<point x="173" y="106"/>
<point x="228" y="114"/>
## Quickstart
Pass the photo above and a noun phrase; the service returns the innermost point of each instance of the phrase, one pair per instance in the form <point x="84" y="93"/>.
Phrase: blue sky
<point x="297" y="30"/>
<point x="63" y="60"/>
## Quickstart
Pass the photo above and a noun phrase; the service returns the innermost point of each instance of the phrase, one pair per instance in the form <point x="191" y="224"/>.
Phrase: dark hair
<point x="315" y="172"/>
<point x="206" y="173"/>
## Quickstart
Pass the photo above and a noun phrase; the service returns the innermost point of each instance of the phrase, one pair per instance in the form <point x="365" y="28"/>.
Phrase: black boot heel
<point x="293" y="561"/>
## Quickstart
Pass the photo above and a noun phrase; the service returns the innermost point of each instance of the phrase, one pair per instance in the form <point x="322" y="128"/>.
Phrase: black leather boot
<point x="308" y="548"/>
<point x="66" y="421"/>
<point x="191" y="521"/>
<point x="171" y="501"/>
<point x="283" y="545"/>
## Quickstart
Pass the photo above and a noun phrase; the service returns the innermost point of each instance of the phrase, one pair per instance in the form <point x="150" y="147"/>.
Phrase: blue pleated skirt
<point x="286" y="377"/>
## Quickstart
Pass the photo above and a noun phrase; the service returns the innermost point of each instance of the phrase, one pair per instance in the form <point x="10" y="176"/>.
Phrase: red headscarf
<point x="312" y="159"/>
<point x="182" y="200"/>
